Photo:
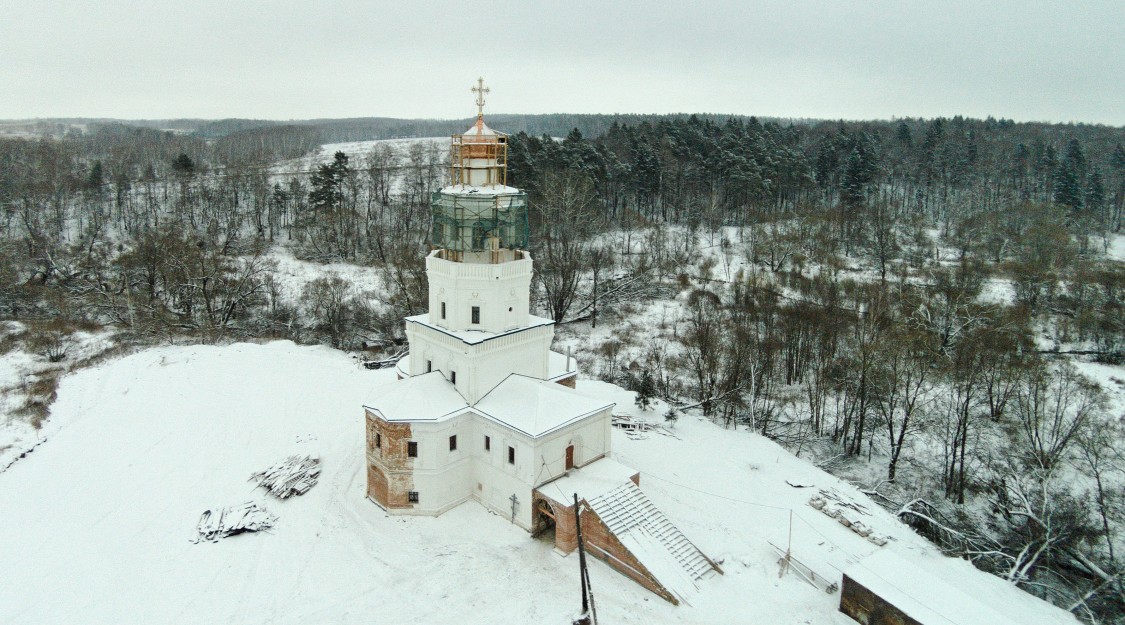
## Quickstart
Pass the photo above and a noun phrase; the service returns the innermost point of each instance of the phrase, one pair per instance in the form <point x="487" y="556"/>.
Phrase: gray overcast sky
<point x="282" y="59"/>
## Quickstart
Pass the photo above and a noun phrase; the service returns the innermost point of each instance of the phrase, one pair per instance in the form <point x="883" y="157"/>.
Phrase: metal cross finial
<point x="480" y="90"/>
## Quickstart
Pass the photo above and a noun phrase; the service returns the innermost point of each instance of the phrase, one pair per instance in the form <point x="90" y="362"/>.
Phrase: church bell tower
<point x="478" y="328"/>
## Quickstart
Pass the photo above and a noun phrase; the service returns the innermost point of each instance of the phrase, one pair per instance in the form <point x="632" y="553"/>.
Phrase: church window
<point x="488" y="443"/>
<point x="511" y="455"/>
<point x="378" y="441"/>
<point x="476" y="314"/>
<point x="429" y="366"/>
<point x="453" y="443"/>
<point x="412" y="496"/>
<point x="453" y="377"/>
<point x="412" y="449"/>
<point x="443" y="310"/>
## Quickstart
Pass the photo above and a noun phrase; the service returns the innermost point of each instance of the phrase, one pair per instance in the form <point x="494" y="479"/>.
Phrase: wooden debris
<point x="223" y="522"/>
<point x="638" y="429"/>
<point x="385" y="363"/>
<point x="836" y="506"/>
<point x="293" y="476"/>
<point x="833" y="496"/>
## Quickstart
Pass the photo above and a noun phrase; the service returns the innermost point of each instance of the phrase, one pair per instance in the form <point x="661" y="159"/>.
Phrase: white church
<point x="484" y="410"/>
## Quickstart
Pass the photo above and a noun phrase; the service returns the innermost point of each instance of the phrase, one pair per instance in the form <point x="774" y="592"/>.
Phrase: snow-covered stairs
<point x="652" y="538"/>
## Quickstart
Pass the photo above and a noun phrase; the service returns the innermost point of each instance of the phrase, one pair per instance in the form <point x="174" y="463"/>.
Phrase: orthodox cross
<point x="480" y="90"/>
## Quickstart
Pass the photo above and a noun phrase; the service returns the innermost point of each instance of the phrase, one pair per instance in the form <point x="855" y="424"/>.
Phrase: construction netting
<point x="477" y="223"/>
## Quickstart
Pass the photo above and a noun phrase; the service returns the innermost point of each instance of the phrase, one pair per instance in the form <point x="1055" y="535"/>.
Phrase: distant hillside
<point x="361" y="128"/>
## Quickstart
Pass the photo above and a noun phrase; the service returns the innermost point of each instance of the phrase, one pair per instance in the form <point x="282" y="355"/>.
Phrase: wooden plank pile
<point x="638" y="429"/>
<point x="846" y="512"/>
<point x="385" y="363"/>
<point x="293" y="476"/>
<point x="222" y="522"/>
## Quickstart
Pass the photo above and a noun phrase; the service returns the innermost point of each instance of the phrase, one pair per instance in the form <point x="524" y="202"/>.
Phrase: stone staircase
<point x="653" y="539"/>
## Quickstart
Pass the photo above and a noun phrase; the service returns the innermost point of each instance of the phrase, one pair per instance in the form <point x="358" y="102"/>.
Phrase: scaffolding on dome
<point x="483" y="154"/>
<point x="479" y="223"/>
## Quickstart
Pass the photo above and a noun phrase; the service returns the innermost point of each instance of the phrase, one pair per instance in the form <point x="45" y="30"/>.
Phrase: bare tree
<point x="564" y="219"/>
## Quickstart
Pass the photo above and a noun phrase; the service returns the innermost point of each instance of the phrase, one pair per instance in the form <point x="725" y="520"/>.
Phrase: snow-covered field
<point x="294" y="274"/>
<point x="23" y="374"/>
<point x="96" y="525"/>
<point x="357" y="151"/>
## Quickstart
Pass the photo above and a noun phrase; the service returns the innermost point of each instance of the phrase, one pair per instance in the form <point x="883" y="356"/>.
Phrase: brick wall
<point x="600" y="543"/>
<point x="603" y="544"/>
<point x="568" y="382"/>
<point x="389" y="468"/>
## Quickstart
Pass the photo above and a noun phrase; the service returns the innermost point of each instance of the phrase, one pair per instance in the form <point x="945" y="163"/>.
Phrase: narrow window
<point x="412" y="496"/>
<point x="453" y="443"/>
<point x="476" y="314"/>
<point x="443" y="310"/>
<point x="511" y="455"/>
<point x="488" y="443"/>
<point x="378" y="441"/>
<point x="412" y="449"/>
<point x="453" y="377"/>
<point x="429" y="366"/>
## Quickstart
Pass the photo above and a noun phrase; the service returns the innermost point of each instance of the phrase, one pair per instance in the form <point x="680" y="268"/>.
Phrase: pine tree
<point x="902" y="133"/>
<point x="327" y="193"/>
<point x="1067" y="188"/>
<point x="1076" y="157"/>
<point x="859" y="172"/>
<point x="183" y="165"/>
<point x="1117" y="159"/>
<point x="325" y="218"/>
<point x="1095" y="191"/>
<point x="96" y="178"/>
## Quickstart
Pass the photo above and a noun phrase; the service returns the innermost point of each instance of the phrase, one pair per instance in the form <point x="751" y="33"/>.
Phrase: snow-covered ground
<point x="357" y="151"/>
<point x="96" y="526"/>
<point x="1116" y="248"/>
<point x="293" y="274"/>
<point x="24" y="374"/>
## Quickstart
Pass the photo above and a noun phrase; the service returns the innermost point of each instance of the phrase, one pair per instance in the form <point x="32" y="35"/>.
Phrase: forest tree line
<point x="908" y="295"/>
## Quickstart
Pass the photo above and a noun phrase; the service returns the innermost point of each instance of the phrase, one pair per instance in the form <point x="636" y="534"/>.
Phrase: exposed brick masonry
<point x="389" y="469"/>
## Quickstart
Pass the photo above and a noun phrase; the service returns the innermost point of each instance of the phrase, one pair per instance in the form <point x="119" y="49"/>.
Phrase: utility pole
<point x="589" y="614"/>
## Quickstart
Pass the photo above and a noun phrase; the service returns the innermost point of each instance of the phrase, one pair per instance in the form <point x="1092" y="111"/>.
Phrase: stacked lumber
<point x="293" y="476"/>
<point x="845" y="510"/>
<point x="222" y="522"/>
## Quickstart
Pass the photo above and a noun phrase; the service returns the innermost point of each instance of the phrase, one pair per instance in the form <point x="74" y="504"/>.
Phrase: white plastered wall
<point x="501" y="291"/>
<point x="479" y="367"/>
<point x="444" y="478"/>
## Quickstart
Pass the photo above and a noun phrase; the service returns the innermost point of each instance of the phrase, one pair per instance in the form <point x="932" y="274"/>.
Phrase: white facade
<point x="500" y="293"/>
<point x="483" y="412"/>
<point x="444" y="478"/>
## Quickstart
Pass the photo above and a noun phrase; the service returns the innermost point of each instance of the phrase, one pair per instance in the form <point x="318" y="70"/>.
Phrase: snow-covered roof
<point x="427" y="397"/>
<point x="480" y="129"/>
<point x="468" y="189"/>
<point x="595" y="479"/>
<point x="560" y="365"/>
<point x="536" y="407"/>
<point x="474" y="337"/>
<point x="936" y="590"/>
